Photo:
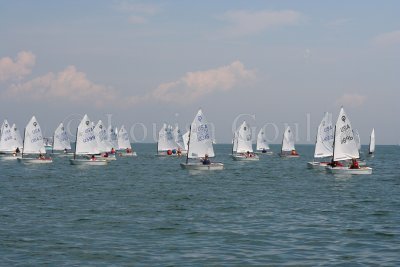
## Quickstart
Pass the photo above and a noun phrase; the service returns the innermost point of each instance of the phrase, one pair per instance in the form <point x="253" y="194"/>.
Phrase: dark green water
<point x="147" y="211"/>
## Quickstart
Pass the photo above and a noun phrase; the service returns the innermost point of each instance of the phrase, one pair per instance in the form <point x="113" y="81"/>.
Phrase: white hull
<point x="347" y="170"/>
<point x="259" y="152"/>
<point x="35" y="160"/>
<point x="317" y="165"/>
<point x="288" y="156"/>
<point x="124" y="154"/>
<point x="110" y="157"/>
<point x="244" y="158"/>
<point x="9" y="157"/>
<point x="201" y="166"/>
<point x="97" y="162"/>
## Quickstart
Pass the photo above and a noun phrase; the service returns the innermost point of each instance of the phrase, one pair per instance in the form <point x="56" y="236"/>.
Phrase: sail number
<point x="202" y="133"/>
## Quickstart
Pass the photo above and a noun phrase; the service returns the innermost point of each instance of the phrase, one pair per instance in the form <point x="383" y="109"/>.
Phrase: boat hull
<point x="202" y="167"/>
<point x="9" y="157"/>
<point x="35" y="160"/>
<point x="244" y="158"/>
<point x="288" y="156"/>
<point x="97" y="162"/>
<point x="347" y="170"/>
<point x="264" y="153"/>
<point x="317" y="165"/>
<point x="124" y="154"/>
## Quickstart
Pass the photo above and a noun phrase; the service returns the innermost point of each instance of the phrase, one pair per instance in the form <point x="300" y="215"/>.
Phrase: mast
<point x="233" y="143"/>
<point x="334" y="141"/>
<point x="283" y="137"/>
<point x="23" y="144"/>
<point x="76" y="141"/>
<point x="52" y="147"/>
<point x="187" y="154"/>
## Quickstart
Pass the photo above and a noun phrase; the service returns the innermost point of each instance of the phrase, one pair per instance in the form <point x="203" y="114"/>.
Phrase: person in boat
<point x="17" y="150"/>
<point x="294" y="153"/>
<point x="105" y="155"/>
<point x="179" y="152"/>
<point x="41" y="156"/>
<point x="112" y="151"/>
<point x="335" y="163"/>
<point x="65" y="151"/>
<point x="128" y="150"/>
<point x="206" y="160"/>
<point x="354" y="164"/>
<point x="264" y="150"/>
<point x="248" y="154"/>
<point x="93" y="157"/>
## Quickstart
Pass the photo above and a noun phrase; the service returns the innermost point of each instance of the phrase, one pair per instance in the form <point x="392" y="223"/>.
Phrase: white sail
<point x="262" y="143"/>
<point x="288" y="140"/>
<point x="244" y="143"/>
<point x="112" y="137"/>
<point x="235" y="141"/>
<point x="325" y="135"/>
<point x="85" y="138"/>
<point x="6" y="139"/>
<point x="123" y="139"/>
<point x="186" y="139"/>
<point x="178" y="138"/>
<point x="200" y="142"/>
<point x="372" y="142"/>
<point x="357" y="139"/>
<point x="16" y="137"/>
<point x="61" y="139"/>
<point x="166" y="139"/>
<point x="103" y="145"/>
<point x="345" y="146"/>
<point x="33" y="138"/>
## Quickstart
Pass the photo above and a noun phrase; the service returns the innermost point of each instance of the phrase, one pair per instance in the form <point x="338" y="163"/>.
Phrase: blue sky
<point x="154" y="61"/>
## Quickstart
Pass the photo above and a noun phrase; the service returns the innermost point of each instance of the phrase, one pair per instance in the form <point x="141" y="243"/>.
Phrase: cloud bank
<point x="68" y="85"/>
<point x="244" y="22"/>
<point x="16" y="69"/>
<point x="195" y="85"/>
<point x="388" y="38"/>
<point x="351" y="100"/>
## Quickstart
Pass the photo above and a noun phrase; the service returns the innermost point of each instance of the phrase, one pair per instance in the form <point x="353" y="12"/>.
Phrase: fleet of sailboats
<point x="96" y="144"/>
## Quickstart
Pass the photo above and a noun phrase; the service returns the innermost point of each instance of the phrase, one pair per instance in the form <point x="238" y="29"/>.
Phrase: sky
<point x="143" y="63"/>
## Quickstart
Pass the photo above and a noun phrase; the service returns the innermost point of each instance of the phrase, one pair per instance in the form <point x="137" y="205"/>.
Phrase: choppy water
<point x="147" y="211"/>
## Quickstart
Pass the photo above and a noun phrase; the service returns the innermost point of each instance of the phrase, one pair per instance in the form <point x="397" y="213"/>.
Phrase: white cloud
<point x="198" y="84"/>
<point x="388" y="38"/>
<point x="244" y="22"/>
<point x="139" y="13"/>
<point x="68" y="85"/>
<point x="16" y="70"/>
<point x="352" y="100"/>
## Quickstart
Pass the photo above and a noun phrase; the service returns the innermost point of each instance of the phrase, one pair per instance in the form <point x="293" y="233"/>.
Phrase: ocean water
<point x="147" y="211"/>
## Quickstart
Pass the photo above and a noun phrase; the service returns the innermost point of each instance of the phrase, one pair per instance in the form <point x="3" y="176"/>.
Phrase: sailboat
<point x="61" y="140"/>
<point x="124" y="145"/>
<point x="185" y="138"/>
<point x="166" y="144"/>
<point x="86" y="145"/>
<point x="18" y="142"/>
<point x="200" y="146"/>
<point x="345" y="147"/>
<point x="102" y="138"/>
<point x="323" y="142"/>
<point x="357" y="139"/>
<point x="262" y="144"/>
<point x="179" y="140"/>
<point x="288" y="149"/>
<point x="243" y="149"/>
<point x="371" y="148"/>
<point x="112" y="137"/>
<point x="8" y="146"/>
<point x="33" y="144"/>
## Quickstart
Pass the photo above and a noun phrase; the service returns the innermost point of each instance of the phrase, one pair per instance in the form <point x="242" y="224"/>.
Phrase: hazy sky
<point x="148" y="62"/>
